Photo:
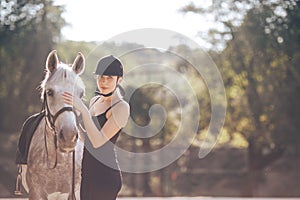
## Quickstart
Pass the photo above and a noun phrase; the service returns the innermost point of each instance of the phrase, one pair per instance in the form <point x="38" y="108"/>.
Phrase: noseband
<point x="50" y="121"/>
<point x="52" y="118"/>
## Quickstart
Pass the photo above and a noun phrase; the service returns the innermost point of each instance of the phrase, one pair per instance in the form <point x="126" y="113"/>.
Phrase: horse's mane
<point x="62" y="72"/>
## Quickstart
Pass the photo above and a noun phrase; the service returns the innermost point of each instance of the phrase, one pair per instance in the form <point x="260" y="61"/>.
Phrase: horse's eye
<point x="50" y="92"/>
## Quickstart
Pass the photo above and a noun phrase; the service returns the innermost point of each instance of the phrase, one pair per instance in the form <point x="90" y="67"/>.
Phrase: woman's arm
<point x="81" y="129"/>
<point x="111" y="127"/>
<point x="114" y="123"/>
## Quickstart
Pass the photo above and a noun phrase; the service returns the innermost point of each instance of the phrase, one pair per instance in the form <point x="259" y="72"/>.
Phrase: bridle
<point x="50" y="121"/>
<point x="52" y="118"/>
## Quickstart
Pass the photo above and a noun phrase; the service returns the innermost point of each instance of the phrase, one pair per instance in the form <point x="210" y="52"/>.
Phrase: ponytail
<point x="121" y="90"/>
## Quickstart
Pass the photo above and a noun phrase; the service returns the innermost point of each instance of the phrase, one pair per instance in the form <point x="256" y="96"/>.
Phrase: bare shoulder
<point x="122" y="106"/>
<point x="122" y="109"/>
<point x="93" y="99"/>
<point x="121" y="113"/>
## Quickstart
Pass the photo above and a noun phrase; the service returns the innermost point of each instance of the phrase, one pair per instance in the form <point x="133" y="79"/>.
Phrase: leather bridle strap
<point x="73" y="197"/>
<point x="52" y="118"/>
<point x="60" y="112"/>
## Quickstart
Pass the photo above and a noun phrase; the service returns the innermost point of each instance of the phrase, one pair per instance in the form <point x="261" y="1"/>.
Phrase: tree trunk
<point x="257" y="161"/>
<point x="146" y="176"/>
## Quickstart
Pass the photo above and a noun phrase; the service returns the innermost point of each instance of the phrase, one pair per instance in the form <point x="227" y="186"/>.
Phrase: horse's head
<point x="60" y="117"/>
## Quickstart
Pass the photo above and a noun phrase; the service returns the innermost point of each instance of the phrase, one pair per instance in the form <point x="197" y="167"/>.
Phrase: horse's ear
<point x="52" y="61"/>
<point x="79" y="64"/>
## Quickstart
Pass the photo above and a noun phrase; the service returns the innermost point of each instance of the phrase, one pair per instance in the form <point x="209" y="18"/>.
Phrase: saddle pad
<point x="27" y="132"/>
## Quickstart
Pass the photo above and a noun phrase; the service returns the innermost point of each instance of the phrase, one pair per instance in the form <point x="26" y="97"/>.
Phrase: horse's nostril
<point x="61" y="135"/>
<point x="75" y="138"/>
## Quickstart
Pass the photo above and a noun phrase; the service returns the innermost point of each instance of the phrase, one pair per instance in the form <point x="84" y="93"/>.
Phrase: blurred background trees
<point x="255" y="45"/>
<point x="28" y="31"/>
<point x="259" y="62"/>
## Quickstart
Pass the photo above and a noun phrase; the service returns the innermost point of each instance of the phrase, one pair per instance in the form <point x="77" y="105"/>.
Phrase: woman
<point x="107" y="115"/>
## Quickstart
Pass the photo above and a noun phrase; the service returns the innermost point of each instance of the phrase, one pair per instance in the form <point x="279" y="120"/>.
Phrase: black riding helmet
<point x="110" y="66"/>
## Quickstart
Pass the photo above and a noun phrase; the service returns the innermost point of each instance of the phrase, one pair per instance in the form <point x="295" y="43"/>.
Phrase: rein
<point x="51" y="120"/>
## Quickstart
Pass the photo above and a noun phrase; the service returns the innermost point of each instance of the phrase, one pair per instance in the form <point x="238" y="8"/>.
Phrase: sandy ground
<point x="189" y="198"/>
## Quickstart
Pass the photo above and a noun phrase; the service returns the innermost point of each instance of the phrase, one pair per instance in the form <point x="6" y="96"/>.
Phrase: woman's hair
<point x="121" y="90"/>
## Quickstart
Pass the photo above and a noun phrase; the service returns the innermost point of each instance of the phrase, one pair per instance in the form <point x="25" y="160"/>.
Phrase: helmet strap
<point x="105" y="95"/>
<point x="108" y="94"/>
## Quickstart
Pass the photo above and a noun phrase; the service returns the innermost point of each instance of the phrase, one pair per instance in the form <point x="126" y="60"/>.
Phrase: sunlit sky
<point x="98" y="20"/>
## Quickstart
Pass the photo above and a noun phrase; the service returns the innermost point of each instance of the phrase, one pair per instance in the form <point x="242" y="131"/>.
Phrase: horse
<point x="53" y="168"/>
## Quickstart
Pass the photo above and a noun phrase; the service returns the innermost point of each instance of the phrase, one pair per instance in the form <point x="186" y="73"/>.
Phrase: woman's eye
<point x="50" y="92"/>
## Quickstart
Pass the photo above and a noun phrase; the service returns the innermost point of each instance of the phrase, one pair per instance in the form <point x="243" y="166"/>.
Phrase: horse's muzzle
<point x="67" y="140"/>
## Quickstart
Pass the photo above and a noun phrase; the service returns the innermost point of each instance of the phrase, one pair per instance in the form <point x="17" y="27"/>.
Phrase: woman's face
<point x="107" y="84"/>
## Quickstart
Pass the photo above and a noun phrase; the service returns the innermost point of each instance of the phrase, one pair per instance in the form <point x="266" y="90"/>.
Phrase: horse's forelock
<point x="62" y="73"/>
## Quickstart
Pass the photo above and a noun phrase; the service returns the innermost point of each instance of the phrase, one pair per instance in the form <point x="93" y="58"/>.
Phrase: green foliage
<point x="28" y="30"/>
<point x="262" y="71"/>
<point x="259" y="64"/>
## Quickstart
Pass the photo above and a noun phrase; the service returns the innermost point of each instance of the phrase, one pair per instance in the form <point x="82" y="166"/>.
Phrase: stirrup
<point x="19" y="182"/>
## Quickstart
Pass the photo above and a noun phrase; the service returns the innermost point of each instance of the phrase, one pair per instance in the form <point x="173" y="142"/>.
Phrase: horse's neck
<point x="41" y="168"/>
<point x="42" y="145"/>
<point x="43" y="148"/>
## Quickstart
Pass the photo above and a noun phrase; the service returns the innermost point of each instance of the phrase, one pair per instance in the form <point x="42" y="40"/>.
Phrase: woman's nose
<point x="103" y="80"/>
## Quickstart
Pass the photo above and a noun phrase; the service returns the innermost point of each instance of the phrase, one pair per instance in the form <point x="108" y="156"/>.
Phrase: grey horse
<point x="55" y="153"/>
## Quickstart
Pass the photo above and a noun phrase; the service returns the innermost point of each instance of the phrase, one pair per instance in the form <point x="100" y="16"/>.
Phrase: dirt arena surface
<point x="186" y="198"/>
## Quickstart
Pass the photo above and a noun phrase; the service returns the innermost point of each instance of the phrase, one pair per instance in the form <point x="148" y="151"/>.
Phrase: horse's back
<point x="28" y="129"/>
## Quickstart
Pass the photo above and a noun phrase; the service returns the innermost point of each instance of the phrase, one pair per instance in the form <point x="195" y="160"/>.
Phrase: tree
<point x="28" y="31"/>
<point x="259" y="61"/>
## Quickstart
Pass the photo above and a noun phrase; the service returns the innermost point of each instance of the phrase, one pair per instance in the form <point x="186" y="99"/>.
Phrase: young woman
<point x="107" y="115"/>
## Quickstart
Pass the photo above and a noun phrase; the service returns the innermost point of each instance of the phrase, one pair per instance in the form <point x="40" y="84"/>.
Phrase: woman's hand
<point x="74" y="101"/>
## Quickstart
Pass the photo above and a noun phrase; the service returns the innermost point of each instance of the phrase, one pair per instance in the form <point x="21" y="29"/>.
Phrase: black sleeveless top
<point x="100" y="165"/>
